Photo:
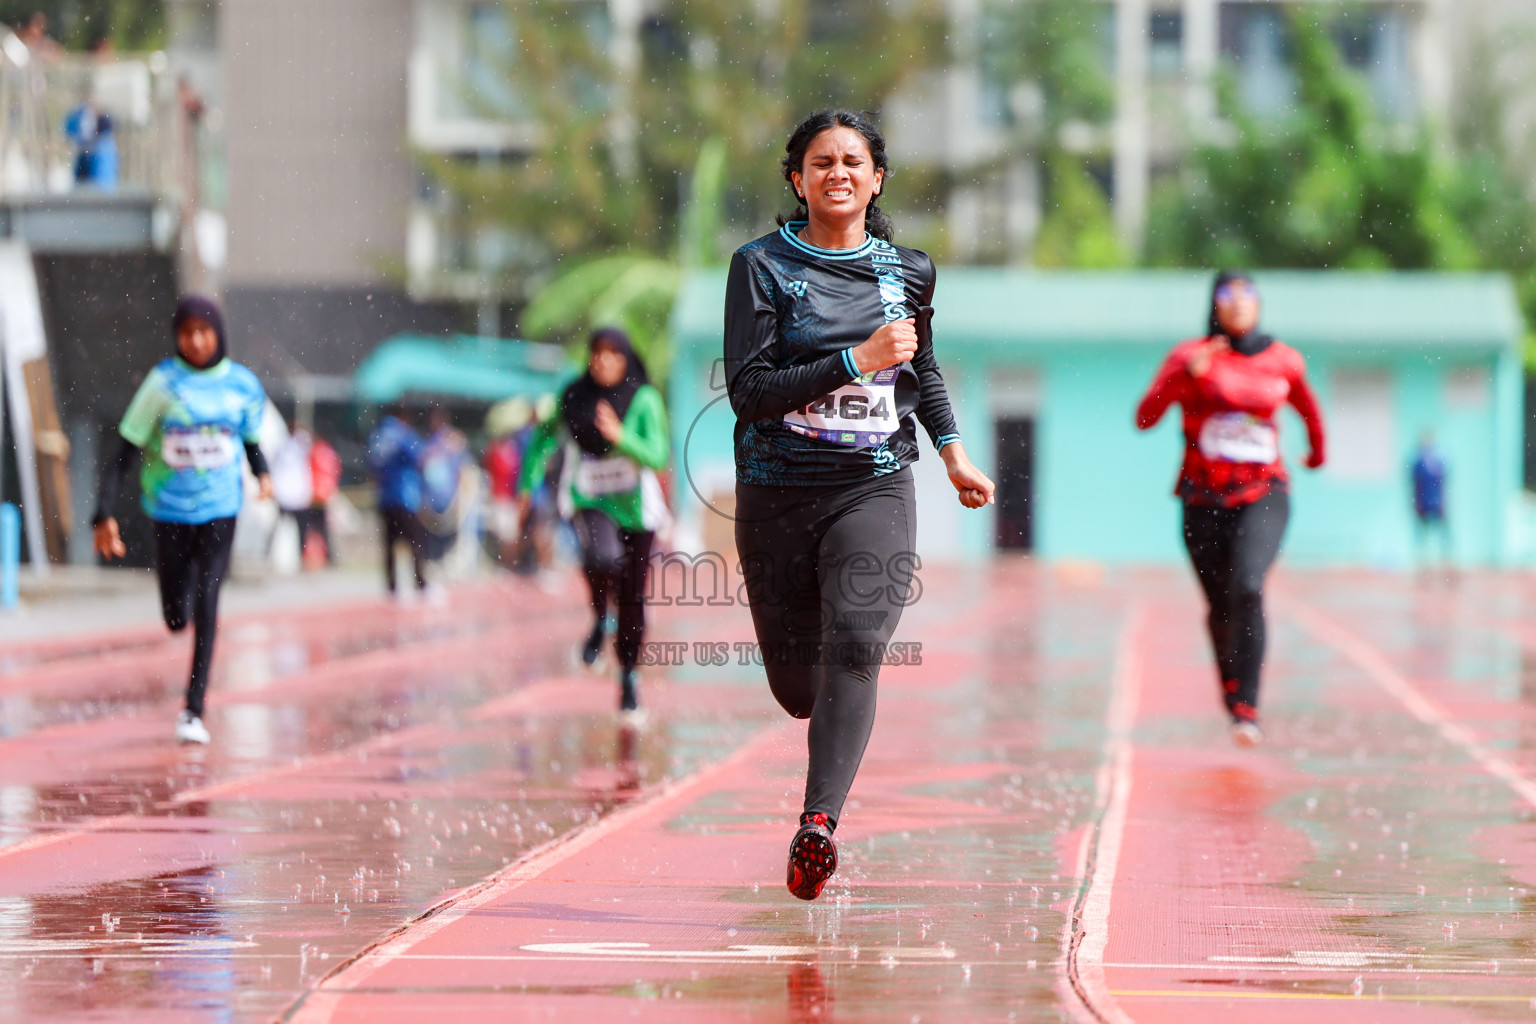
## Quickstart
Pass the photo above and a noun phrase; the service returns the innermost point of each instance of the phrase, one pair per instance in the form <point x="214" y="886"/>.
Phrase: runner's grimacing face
<point x="607" y="366"/>
<point x="838" y="176"/>
<point x="1237" y="308"/>
<point x="197" y="341"/>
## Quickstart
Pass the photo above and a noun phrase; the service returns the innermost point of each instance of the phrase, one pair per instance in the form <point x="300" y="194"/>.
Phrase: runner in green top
<point x="615" y="426"/>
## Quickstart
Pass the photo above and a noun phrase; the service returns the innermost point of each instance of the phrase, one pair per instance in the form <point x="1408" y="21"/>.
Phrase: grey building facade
<point x="320" y="182"/>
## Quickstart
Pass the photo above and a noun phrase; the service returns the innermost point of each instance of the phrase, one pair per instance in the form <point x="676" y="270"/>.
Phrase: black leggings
<point x="192" y="561"/>
<point x="828" y="571"/>
<point x="617" y="563"/>
<point x="1232" y="550"/>
<point x="402" y="525"/>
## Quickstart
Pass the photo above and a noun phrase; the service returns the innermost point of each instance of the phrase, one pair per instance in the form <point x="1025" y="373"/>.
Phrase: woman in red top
<point x="1231" y="383"/>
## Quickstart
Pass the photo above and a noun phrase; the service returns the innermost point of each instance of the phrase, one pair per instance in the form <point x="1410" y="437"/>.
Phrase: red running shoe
<point x="812" y="857"/>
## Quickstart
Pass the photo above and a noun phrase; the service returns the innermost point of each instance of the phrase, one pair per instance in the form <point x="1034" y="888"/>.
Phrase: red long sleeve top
<point x="1231" y="439"/>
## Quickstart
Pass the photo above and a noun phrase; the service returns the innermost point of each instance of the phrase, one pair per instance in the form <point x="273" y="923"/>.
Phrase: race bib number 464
<point x="859" y="414"/>
<point x="1239" y="437"/>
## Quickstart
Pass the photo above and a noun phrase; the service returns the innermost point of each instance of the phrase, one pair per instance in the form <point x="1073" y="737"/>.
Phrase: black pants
<point x="192" y="561"/>
<point x="828" y="572"/>
<point x="307" y="521"/>
<point x="1232" y="550"/>
<point x="311" y="522"/>
<point x="402" y="525"/>
<point x="617" y="563"/>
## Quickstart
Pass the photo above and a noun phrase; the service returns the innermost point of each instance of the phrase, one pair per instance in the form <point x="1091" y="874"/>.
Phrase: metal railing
<point x="153" y="128"/>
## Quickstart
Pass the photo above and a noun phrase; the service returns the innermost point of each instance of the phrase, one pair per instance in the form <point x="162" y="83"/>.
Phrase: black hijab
<point x="1250" y="344"/>
<point x="580" y="399"/>
<point x="190" y="307"/>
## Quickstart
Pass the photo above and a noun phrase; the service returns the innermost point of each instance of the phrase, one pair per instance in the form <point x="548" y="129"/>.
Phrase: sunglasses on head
<point x="1233" y="289"/>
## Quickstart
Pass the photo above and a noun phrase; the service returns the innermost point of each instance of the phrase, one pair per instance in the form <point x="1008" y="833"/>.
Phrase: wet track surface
<point x="1051" y="823"/>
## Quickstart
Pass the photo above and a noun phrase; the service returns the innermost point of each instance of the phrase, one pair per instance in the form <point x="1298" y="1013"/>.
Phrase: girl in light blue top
<point x="190" y="420"/>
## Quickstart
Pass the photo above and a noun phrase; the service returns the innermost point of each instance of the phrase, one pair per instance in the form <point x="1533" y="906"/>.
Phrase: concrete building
<point x="320" y="180"/>
<point x="1164" y="58"/>
<point x="1045" y="371"/>
<point x="327" y="110"/>
<point x="328" y="113"/>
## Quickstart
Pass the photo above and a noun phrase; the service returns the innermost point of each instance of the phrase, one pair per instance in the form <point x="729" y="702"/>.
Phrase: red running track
<point x="438" y="817"/>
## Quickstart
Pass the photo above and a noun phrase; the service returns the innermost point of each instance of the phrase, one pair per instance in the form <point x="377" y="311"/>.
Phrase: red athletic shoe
<point x="812" y="857"/>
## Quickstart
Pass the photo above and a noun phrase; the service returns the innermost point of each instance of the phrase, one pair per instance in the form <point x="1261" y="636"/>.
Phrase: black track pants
<point x="617" y="563"/>
<point x="192" y="561"/>
<point x="1232" y="550"/>
<point x="828" y="571"/>
<point x="402" y="525"/>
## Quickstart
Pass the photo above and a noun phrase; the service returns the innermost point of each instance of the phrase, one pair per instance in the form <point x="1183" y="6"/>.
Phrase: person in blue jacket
<point x="394" y="455"/>
<point x="1429" y="473"/>
<point x="91" y="130"/>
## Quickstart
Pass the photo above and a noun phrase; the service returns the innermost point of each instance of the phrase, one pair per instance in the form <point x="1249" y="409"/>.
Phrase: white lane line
<point x="1099" y="855"/>
<point x="1302" y="970"/>
<point x="645" y="951"/>
<point x="1385" y="675"/>
<point x="319" y="1005"/>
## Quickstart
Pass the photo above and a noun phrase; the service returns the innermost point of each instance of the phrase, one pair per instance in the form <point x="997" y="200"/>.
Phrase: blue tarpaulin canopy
<point x="463" y="366"/>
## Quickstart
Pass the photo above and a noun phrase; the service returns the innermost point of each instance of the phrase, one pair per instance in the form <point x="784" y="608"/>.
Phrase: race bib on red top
<point x="614" y="474"/>
<point x="196" y="449"/>
<point x="858" y="414"/>
<point x="1239" y="437"/>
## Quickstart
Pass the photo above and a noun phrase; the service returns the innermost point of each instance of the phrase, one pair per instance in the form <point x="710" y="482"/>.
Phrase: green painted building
<point x="1045" y="370"/>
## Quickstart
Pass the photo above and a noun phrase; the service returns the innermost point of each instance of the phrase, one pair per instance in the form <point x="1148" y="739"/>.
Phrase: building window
<point x="1467" y="388"/>
<point x="836" y="21"/>
<point x="1362" y="426"/>
<point x="1375" y="44"/>
<point x="1166" y="57"/>
<point x="1257" y="46"/>
<point x="473" y="51"/>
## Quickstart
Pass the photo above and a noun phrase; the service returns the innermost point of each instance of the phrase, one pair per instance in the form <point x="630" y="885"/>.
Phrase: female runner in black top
<point x="829" y="358"/>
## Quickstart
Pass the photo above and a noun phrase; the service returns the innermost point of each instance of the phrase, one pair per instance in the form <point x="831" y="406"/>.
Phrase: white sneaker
<point x="1247" y="734"/>
<point x="190" y="729"/>
<point x="633" y="718"/>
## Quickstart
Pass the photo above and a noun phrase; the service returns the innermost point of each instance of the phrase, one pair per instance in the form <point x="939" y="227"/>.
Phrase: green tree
<point x="636" y="290"/>
<point x="1050" y="58"/>
<point x="1335" y="185"/>
<point x="698" y="109"/>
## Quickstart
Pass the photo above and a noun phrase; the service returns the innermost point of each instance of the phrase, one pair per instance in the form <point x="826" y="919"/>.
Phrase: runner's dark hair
<point x="875" y="220"/>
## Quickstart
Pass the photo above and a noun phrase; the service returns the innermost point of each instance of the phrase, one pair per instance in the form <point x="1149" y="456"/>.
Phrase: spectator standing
<point x="443" y="460"/>
<point x="325" y="475"/>
<point x="503" y="461"/>
<point x="89" y="128"/>
<point x="1429" y="475"/>
<point x="394" y="455"/>
<point x="293" y="486"/>
<point x="34" y="32"/>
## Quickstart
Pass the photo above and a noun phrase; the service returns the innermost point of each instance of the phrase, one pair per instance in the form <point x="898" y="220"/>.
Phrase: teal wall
<point x="1105" y="491"/>
<point x="1437" y="352"/>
